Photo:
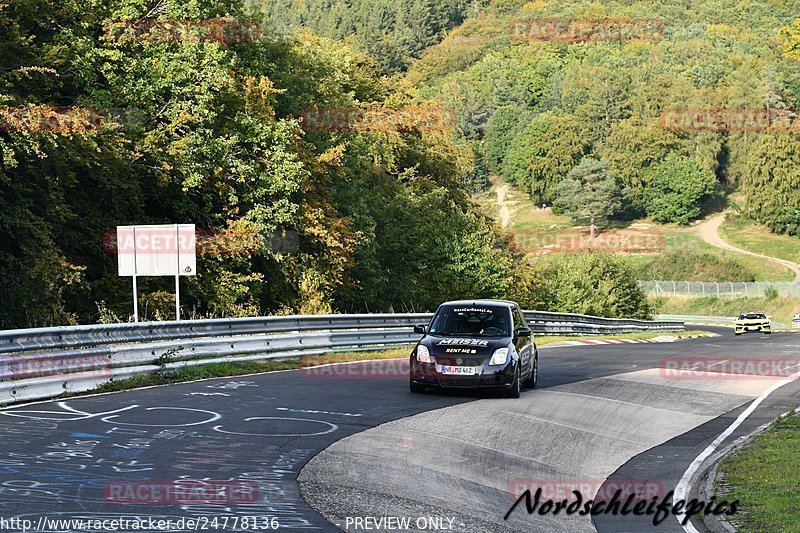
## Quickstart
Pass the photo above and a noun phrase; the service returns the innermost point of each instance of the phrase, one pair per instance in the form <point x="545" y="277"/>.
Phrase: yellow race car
<point x="748" y="322"/>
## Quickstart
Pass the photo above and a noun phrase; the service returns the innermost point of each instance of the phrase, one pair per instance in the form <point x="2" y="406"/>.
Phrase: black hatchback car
<point x="475" y="344"/>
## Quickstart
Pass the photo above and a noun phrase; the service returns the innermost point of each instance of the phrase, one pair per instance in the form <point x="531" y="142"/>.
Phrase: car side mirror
<point x="524" y="332"/>
<point x="419" y="328"/>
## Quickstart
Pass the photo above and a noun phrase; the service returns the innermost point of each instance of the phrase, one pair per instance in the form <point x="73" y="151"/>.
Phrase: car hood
<point x="475" y="346"/>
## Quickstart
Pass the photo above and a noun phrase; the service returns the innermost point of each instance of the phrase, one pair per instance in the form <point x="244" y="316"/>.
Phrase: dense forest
<point x="393" y="32"/>
<point x="295" y="221"/>
<point x="300" y="220"/>
<point x="534" y="109"/>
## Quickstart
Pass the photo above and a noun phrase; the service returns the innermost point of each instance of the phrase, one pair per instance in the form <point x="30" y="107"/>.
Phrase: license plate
<point x="458" y="370"/>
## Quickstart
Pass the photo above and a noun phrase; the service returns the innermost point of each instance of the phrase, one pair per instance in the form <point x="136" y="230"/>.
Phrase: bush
<point x="598" y="284"/>
<point x="689" y="265"/>
<point x="679" y="189"/>
<point x="527" y="288"/>
<point x="771" y="294"/>
<point x="589" y="193"/>
<point x="476" y="179"/>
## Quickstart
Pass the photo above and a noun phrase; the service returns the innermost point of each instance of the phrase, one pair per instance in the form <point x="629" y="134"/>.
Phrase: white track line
<point x="683" y="485"/>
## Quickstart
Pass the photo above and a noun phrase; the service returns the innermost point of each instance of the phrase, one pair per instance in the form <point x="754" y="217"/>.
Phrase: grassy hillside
<point x="757" y="238"/>
<point x="712" y="263"/>
<point x="685" y="255"/>
<point x="532" y="110"/>
<point x="780" y="309"/>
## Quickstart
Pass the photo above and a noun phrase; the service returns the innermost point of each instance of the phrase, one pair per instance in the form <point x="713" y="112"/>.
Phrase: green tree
<point x="394" y="33"/>
<point x="791" y="40"/>
<point x="678" y="190"/>
<point x="543" y="154"/>
<point x="772" y="183"/>
<point x="599" y="284"/>
<point x="501" y="129"/>
<point x="634" y="150"/>
<point x="589" y="193"/>
<point x="301" y="220"/>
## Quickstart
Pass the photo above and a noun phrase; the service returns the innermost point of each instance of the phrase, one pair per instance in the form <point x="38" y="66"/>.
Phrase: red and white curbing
<point x="595" y="342"/>
<point x="720" y="324"/>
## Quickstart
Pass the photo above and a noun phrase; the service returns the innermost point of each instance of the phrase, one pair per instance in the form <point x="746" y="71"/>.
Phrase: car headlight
<point x="499" y="357"/>
<point x="423" y="355"/>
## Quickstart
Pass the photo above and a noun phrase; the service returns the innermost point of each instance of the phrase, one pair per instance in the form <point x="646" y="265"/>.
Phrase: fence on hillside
<point x="720" y="289"/>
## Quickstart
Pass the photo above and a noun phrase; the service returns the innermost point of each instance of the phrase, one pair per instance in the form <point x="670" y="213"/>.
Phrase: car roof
<point x="506" y="303"/>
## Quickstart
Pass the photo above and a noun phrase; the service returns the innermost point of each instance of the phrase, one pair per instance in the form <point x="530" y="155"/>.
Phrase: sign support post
<point x="135" y="290"/>
<point x="178" y="275"/>
<point x="135" y="301"/>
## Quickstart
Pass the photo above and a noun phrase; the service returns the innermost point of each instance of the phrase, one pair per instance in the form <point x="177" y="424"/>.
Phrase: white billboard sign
<point x="162" y="250"/>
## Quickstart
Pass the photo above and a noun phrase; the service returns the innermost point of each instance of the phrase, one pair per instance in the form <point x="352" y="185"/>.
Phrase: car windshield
<point x="752" y="316"/>
<point x="472" y="321"/>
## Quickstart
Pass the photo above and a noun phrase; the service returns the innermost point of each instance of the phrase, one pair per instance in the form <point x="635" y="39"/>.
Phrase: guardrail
<point x="47" y="362"/>
<point x="716" y="320"/>
<point x="701" y="319"/>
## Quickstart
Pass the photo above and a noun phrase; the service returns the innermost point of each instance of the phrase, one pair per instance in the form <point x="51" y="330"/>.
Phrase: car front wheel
<point x="516" y="385"/>
<point x="534" y="378"/>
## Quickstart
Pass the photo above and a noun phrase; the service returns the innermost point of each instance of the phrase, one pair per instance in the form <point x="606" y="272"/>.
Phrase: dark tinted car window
<point x="515" y="317"/>
<point x="479" y="321"/>
<point x="522" y="322"/>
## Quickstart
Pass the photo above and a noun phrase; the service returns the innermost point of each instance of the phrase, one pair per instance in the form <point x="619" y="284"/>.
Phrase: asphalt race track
<point x="363" y="446"/>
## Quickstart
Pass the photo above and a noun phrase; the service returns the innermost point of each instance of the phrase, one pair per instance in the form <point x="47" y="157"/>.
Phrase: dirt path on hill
<point x="505" y="210"/>
<point x="709" y="232"/>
